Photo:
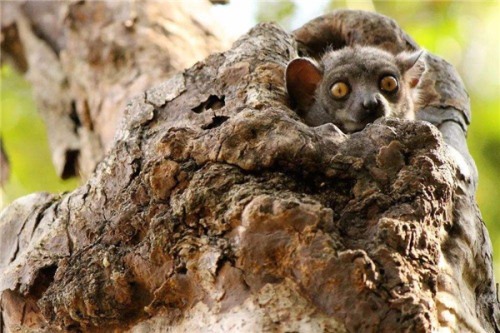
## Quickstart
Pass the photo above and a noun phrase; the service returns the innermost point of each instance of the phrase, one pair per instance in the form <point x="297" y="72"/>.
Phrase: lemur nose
<point x="371" y="104"/>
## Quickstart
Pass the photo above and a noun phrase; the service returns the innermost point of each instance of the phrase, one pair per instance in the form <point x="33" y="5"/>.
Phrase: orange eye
<point x="389" y="84"/>
<point x="339" y="90"/>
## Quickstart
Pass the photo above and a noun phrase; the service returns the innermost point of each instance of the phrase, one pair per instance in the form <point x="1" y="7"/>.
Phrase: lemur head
<point x="353" y="86"/>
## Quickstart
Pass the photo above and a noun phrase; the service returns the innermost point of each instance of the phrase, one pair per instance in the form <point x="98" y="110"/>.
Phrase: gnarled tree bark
<point x="217" y="209"/>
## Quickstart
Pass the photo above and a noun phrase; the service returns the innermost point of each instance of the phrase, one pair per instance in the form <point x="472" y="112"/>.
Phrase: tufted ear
<point x="302" y="77"/>
<point x="412" y="65"/>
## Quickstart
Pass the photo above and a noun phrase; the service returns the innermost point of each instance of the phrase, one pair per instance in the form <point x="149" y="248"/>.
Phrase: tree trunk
<point x="217" y="209"/>
<point x="86" y="60"/>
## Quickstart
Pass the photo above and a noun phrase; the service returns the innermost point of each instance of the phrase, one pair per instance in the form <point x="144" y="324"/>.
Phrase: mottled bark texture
<point x="86" y="59"/>
<point x="218" y="210"/>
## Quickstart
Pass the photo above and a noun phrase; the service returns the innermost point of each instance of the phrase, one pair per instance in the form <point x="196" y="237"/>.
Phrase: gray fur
<point x="362" y="68"/>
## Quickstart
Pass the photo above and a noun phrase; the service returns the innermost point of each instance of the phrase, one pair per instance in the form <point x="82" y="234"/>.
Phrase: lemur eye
<point x="389" y="84"/>
<point x="339" y="90"/>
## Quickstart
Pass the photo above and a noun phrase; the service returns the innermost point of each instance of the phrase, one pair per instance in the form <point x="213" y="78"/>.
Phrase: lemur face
<point x="354" y="86"/>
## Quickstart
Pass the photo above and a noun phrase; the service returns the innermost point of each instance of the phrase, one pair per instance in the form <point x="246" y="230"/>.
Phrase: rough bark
<point x="217" y="209"/>
<point x="86" y="59"/>
<point x="445" y="102"/>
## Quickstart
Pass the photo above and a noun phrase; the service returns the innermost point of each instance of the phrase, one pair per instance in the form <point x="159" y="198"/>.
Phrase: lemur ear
<point x="302" y="77"/>
<point x="412" y="64"/>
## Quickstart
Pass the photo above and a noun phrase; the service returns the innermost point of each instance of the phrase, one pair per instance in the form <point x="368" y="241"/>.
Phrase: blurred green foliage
<point x="25" y="141"/>
<point x="281" y="11"/>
